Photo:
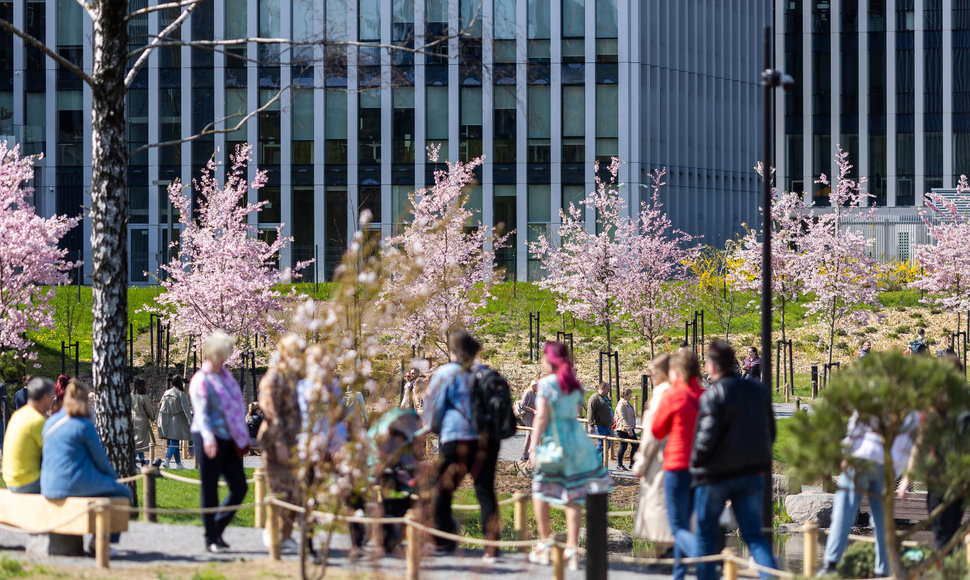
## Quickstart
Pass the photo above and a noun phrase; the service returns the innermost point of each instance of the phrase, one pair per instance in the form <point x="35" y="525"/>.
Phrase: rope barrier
<point x="189" y="480"/>
<point x="759" y="568"/>
<point x="130" y="478"/>
<point x="184" y="511"/>
<point x="468" y="540"/>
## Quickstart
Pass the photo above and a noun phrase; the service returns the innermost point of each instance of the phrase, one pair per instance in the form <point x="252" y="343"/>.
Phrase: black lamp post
<point x="770" y="80"/>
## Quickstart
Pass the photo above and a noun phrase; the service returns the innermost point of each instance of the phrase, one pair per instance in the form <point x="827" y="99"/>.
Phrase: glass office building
<point x="543" y="88"/>
<point x="885" y="78"/>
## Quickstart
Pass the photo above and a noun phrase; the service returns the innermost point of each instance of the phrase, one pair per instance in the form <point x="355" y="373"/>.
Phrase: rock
<point x="616" y="540"/>
<point x="810" y="507"/>
<point x="54" y="545"/>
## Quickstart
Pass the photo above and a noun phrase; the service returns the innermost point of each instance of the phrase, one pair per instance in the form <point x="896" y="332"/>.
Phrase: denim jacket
<point x="448" y="404"/>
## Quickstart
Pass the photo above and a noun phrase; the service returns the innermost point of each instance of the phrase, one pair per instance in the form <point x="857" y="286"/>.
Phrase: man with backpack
<point x="919" y="345"/>
<point x="466" y="407"/>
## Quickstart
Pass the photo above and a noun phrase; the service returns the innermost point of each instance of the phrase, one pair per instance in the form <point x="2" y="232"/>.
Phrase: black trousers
<point x="949" y="521"/>
<point x="228" y="465"/>
<point x="631" y="435"/>
<point x="459" y="458"/>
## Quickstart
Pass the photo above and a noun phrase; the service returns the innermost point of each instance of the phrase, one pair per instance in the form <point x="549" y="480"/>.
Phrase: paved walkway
<point x="177" y="544"/>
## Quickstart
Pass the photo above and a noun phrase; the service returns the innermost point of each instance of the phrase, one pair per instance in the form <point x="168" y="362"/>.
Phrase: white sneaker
<point x="165" y="465"/>
<point x="180" y="466"/>
<point x="266" y="538"/>
<point x="289" y="544"/>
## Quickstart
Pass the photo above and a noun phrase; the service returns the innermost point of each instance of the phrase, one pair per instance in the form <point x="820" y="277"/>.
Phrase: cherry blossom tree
<point x="789" y="219"/>
<point x="458" y="271"/>
<point x="835" y="264"/>
<point x="655" y="263"/>
<point x="586" y="268"/>
<point x="224" y="276"/>
<point x="946" y="263"/>
<point x="30" y="259"/>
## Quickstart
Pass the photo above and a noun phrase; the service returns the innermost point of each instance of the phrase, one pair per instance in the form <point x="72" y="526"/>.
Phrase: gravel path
<point x="177" y="544"/>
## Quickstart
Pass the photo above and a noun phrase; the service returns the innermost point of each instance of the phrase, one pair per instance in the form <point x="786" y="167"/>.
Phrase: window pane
<point x="470" y="15"/>
<point x="538" y="105"/>
<point x="302" y="115"/>
<point x="539" y="16"/>
<point x="304" y="16"/>
<point x="471" y="106"/>
<point x="336" y="120"/>
<point x="606" y="19"/>
<point x="606" y="111"/>
<point x="336" y="19"/>
<point x="504" y="16"/>
<point x="70" y="23"/>
<point x="370" y="20"/>
<point x="236" y="18"/>
<point x="437" y="11"/>
<point x="403" y="11"/>
<point x="573" y="18"/>
<point x="437" y="112"/>
<point x="573" y="111"/>
<point x="538" y="204"/>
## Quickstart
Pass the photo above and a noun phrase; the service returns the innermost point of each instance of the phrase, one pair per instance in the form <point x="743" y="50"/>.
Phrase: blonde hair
<point x="76" y="399"/>
<point x="220" y="344"/>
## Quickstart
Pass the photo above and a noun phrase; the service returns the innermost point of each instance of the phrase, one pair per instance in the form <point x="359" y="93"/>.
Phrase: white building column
<point x="919" y="137"/>
<point x="863" y="89"/>
<point x="948" y="171"/>
<point x="286" y="134"/>
<point x="891" y="105"/>
<point x="521" y="142"/>
<point x="488" y="123"/>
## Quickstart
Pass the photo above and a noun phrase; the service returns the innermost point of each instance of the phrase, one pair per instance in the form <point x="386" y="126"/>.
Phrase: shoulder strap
<point x="56" y="426"/>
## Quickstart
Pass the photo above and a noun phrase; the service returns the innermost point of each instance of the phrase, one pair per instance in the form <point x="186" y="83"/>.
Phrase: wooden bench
<point x="65" y="522"/>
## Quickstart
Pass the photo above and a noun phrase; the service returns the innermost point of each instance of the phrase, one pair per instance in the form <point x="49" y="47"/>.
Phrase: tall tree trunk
<point x="109" y="233"/>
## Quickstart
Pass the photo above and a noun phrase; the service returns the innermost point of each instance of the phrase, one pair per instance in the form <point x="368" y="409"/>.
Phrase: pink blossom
<point x="30" y="257"/>
<point x="946" y="262"/>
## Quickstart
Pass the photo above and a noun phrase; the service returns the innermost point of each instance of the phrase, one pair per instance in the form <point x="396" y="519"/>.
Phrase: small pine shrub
<point x="859" y="561"/>
<point x="902" y="329"/>
<point x="840" y="332"/>
<point x="871" y="330"/>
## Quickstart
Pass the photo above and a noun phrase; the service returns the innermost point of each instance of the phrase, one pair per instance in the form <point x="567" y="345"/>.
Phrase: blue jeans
<point x="606" y="432"/>
<point x="32" y="487"/>
<point x="745" y="493"/>
<point x="866" y="479"/>
<point x="679" y="499"/>
<point x="173" y="451"/>
<point x="140" y="456"/>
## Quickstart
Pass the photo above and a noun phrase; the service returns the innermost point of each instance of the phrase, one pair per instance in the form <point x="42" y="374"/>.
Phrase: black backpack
<point x="918" y="346"/>
<point x="491" y="399"/>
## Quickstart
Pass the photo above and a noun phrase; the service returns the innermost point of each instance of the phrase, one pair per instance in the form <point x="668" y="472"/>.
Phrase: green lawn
<point x="176" y="494"/>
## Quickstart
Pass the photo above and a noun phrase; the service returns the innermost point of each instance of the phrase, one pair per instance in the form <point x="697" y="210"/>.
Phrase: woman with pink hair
<point x="580" y="472"/>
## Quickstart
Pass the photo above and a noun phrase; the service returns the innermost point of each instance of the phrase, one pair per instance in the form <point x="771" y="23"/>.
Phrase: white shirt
<point x="864" y="443"/>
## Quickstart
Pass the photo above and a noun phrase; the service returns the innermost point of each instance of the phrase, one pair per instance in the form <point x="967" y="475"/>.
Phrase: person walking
<point x="559" y="395"/>
<point x="413" y="387"/>
<point x="279" y="431"/>
<point x="676" y="417"/>
<point x="142" y="417"/>
<point x="864" y="350"/>
<point x="60" y="387"/>
<point x="865" y="477"/>
<point x="731" y="456"/>
<point x="625" y="425"/>
<point x="219" y="431"/>
<point x="527" y="409"/>
<point x="448" y="412"/>
<point x="23" y="442"/>
<point x="601" y="415"/>
<point x="20" y="397"/>
<point x="174" y="421"/>
<point x="651" y="521"/>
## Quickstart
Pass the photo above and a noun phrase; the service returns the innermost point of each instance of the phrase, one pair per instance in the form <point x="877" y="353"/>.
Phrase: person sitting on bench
<point x="23" y="442"/>
<point x="74" y="461"/>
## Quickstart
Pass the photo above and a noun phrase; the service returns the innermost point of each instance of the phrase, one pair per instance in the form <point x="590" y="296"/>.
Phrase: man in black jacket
<point x="731" y="455"/>
<point x="601" y="414"/>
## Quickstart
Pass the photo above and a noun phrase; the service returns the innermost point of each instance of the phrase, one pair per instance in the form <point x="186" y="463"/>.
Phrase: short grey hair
<point x="38" y="387"/>
<point x="218" y="343"/>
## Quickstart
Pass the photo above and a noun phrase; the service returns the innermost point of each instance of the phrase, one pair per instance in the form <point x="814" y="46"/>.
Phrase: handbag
<point x="550" y="455"/>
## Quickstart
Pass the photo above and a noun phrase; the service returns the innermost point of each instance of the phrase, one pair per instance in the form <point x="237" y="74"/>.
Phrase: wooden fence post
<point x="413" y="536"/>
<point x="558" y="561"/>
<point x="102" y="532"/>
<point x="149" y="473"/>
<point x="730" y="567"/>
<point x="273" y="530"/>
<point x="810" y="548"/>
<point x="520" y="516"/>
<point x="259" y="493"/>
<point x="966" y="540"/>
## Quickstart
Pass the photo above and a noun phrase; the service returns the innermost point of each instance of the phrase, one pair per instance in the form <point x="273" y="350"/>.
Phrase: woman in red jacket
<point x="675" y="419"/>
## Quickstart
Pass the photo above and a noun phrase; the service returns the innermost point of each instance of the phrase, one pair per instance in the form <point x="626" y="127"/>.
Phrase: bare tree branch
<point x="87" y="8"/>
<point x="68" y="65"/>
<point x="209" y="128"/>
<point x="160" y="7"/>
<point x="175" y="24"/>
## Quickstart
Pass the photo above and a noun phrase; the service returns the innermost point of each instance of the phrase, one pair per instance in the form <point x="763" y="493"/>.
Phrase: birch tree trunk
<point x="109" y="232"/>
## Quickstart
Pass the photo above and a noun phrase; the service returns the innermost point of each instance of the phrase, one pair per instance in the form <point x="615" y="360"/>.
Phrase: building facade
<point x="887" y="80"/>
<point x="543" y="88"/>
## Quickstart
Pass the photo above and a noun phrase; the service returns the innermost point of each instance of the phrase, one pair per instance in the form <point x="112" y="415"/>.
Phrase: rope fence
<point x="268" y="510"/>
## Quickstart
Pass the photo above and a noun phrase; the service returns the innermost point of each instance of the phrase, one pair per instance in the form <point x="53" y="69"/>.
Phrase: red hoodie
<point x="675" y="419"/>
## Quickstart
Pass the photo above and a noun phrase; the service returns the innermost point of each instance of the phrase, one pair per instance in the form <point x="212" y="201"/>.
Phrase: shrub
<point x="935" y="311"/>
<point x="902" y="329"/>
<point x="859" y="561"/>
<point x="872" y="329"/>
<point x="842" y="345"/>
<point x="841" y="332"/>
